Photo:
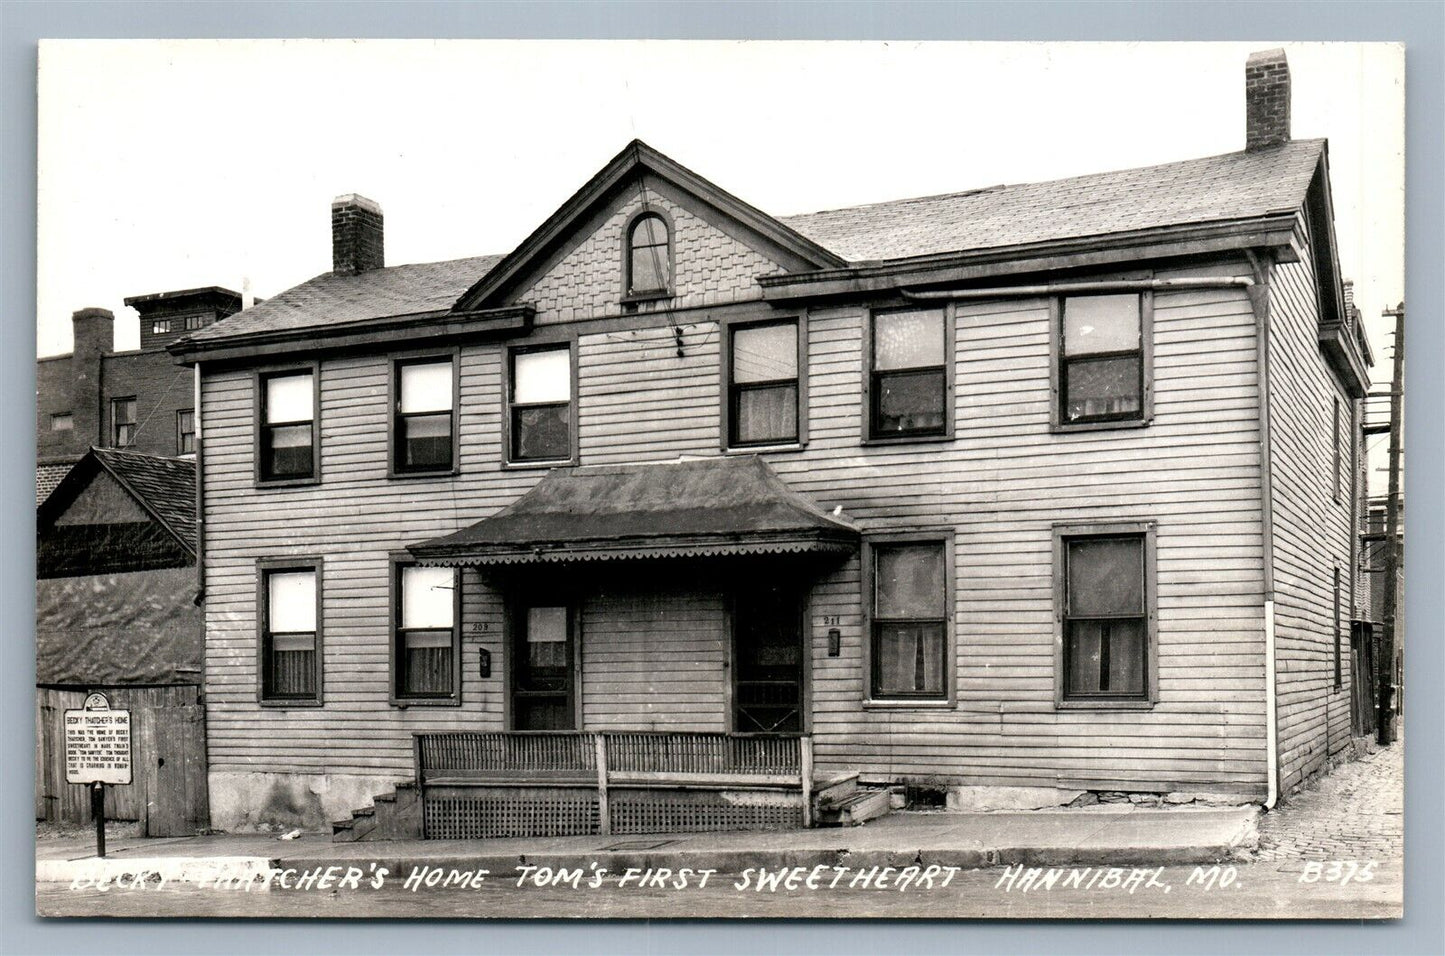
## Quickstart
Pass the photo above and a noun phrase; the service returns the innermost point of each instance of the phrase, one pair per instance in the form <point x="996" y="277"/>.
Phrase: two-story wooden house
<point x="683" y="515"/>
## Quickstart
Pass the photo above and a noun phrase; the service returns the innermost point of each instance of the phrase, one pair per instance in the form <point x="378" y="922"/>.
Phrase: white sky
<point x="172" y="164"/>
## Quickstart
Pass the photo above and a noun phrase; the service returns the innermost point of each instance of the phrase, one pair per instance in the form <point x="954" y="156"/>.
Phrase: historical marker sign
<point x="97" y="743"/>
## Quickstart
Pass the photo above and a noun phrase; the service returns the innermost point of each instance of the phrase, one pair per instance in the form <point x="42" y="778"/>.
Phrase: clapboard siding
<point x="660" y="660"/>
<point x="654" y="661"/>
<point x="1312" y="531"/>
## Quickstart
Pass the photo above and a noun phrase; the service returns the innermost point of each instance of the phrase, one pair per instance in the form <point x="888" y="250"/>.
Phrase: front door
<point x="768" y="661"/>
<point x="542" y="668"/>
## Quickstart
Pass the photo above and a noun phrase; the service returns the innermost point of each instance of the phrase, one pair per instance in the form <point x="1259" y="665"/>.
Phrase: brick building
<point x="138" y="399"/>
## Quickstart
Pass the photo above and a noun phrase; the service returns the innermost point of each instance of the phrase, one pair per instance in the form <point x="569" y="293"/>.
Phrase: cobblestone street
<point x="1354" y="813"/>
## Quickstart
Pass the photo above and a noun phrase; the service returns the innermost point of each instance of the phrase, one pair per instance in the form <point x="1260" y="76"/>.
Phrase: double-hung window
<point x="909" y="621"/>
<point x="1102" y="359"/>
<point x="290" y="634"/>
<point x="539" y="414"/>
<point x="287" y="433"/>
<point x="424" y="429"/>
<point x="186" y="432"/>
<point x="909" y="380"/>
<point x="122" y="422"/>
<point x="427" y="637"/>
<point x="763" y="384"/>
<point x="1105" y="589"/>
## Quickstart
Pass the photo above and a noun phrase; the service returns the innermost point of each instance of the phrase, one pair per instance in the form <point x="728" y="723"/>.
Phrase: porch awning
<point x="713" y="506"/>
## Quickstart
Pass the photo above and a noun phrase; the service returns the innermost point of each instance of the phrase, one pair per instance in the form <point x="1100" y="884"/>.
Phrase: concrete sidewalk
<point x="1116" y="835"/>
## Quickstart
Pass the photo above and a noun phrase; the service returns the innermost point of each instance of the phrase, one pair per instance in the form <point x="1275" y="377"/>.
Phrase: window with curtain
<point x="909" y="380"/>
<point x="289" y="645"/>
<point x="540" y="404"/>
<point x="427" y="638"/>
<point x="122" y="422"/>
<point x="909" y="621"/>
<point x="424" y="429"/>
<point x="1101" y="363"/>
<point x="1105" y="617"/>
<point x="288" y="435"/>
<point x="763" y="386"/>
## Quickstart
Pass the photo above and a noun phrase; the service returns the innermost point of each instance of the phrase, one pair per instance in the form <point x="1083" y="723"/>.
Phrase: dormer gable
<point x="645" y="232"/>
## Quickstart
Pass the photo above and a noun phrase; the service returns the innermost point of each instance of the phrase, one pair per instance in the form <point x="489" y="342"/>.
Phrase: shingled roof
<point x="691" y="508"/>
<point x="165" y="487"/>
<point x="335" y="299"/>
<point x="1240" y="185"/>
<point x="1231" y="187"/>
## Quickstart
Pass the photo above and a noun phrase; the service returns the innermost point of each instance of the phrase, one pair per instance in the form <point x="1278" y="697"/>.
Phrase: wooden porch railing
<point x="642" y="758"/>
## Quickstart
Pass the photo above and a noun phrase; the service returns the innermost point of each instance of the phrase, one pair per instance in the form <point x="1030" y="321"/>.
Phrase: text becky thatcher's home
<point x="681" y="515"/>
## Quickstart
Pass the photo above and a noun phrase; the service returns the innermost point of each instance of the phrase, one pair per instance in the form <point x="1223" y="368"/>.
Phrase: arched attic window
<point x="648" y="256"/>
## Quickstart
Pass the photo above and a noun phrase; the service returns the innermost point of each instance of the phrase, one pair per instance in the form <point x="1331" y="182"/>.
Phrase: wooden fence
<point x="167" y="792"/>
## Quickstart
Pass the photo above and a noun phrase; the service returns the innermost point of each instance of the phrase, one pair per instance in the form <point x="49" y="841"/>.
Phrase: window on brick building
<point x="427" y="639"/>
<point x="287" y="445"/>
<point x="159" y="326"/>
<point x="1101" y="357"/>
<point x="539" y="404"/>
<point x="61" y="422"/>
<point x="649" y="256"/>
<point x="185" y="432"/>
<point x="763" y="406"/>
<point x="424" y="425"/>
<point x="122" y="422"/>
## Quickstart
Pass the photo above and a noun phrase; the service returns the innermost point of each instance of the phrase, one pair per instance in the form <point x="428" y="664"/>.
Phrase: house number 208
<point x="479" y="627"/>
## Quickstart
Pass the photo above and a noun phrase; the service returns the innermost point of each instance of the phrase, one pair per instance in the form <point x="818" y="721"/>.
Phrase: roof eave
<point x="411" y="329"/>
<point x="1272" y="231"/>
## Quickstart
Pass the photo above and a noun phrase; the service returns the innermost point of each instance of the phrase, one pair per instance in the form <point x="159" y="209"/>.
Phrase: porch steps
<point x="392" y="816"/>
<point x="851" y="807"/>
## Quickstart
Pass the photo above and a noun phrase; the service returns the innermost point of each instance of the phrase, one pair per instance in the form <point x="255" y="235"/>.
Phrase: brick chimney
<point x="356" y="235"/>
<point x="94" y="336"/>
<point x="1266" y="100"/>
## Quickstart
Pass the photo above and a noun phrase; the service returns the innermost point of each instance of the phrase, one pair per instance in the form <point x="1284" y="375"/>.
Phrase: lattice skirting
<point x="456" y="814"/>
<point x="692" y="811"/>
<point x="469" y="813"/>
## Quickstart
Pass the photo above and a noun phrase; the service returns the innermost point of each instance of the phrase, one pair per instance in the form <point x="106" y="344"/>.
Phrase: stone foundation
<point x="252" y="802"/>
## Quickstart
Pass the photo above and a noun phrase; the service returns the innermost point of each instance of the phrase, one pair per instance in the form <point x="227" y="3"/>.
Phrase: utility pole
<point x="1393" y="556"/>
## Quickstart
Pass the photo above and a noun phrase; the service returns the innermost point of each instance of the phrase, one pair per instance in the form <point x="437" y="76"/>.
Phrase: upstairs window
<point x="427" y="638"/>
<point x="1101" y="362"/>
<point x="909" y="377"/>
<point x="1339" y="453"/>
<point x="1105" y="589"/>
<point x="122" y="422"/>
<point x="424" y="430"/>
<point x="539" y="412"/>
<point x="62" y="422"/>
<point x="185" y="432"/>
<point x="290" y="645"/>
<point x="160" y="325"/>
<point x="763" y="384"/>
<point x="288" y="433"/>
<point x="910" y="621"/>
<point x="649" y="256"/>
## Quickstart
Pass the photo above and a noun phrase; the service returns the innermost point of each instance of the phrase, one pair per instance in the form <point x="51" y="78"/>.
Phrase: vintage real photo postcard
<point x="683" y="479"/>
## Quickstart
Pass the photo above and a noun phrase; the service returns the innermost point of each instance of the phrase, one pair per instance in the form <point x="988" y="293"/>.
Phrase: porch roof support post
<point x="805" y="764"/>
<point x="604" y="812"/>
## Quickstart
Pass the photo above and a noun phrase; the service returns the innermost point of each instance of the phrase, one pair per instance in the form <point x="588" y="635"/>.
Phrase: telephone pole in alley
<point x="1393" y="556"/>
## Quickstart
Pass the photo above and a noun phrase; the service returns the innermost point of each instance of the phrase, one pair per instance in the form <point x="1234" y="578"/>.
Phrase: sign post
<point x="97" y="752"/>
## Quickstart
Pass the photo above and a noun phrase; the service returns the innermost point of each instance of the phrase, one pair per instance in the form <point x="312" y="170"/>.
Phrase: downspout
<point x="200" y="490"/>
<point x="1259" y="301"/>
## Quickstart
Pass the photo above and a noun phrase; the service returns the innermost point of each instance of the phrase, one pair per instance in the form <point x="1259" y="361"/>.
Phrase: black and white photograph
<point x="661" y="479"/>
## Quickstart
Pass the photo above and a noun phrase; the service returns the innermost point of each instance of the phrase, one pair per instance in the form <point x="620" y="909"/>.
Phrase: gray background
<point x="1421" y="25"/>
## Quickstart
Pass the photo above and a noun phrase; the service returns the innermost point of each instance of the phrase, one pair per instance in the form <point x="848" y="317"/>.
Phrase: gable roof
<point x="1243" y="185"/>
<point x="164" y="487"/>
<point x="690" y="508"/>
<point x="1234" y="187"/>
<point x="335" y="299"/>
